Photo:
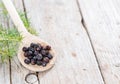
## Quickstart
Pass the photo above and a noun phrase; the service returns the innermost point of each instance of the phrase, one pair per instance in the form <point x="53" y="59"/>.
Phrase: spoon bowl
<point x="26" y="42"/>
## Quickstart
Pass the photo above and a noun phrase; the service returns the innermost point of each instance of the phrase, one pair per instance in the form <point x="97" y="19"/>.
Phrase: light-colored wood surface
<point x="102" y="20"/>
<point x="85" y="35"/>
<point x="59" y="23"/>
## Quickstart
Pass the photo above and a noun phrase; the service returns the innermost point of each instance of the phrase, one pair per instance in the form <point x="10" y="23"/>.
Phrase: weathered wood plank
<point x="5" y="74"/>
<point x="59" y="23"/>
<point x="102" y="19"/>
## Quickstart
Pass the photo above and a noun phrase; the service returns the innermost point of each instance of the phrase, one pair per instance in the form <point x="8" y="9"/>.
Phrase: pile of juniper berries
<point x="36" y="54"/>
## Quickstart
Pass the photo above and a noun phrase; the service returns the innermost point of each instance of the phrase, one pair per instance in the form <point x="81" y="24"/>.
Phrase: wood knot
<point x="31" y="78"/>
<point x="74" y="54"/>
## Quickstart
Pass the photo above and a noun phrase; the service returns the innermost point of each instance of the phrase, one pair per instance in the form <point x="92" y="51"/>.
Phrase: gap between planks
<point x="85" y="27"/>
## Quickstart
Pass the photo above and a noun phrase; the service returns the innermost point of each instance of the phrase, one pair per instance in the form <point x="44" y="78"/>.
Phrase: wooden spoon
<point x="27" y="39"/>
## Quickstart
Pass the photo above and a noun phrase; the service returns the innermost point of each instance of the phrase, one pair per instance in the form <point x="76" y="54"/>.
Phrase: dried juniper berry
<point x="30" y="57"/>
<point x="26" y="54"/>
<point x="44" y="64"/>
<point x="27" y="61"/>
<point x="35" y="58"/>
<point x="25" y="49"/>
<point x="47" y="47"/>
<point x="29" y="53"/>
<point x="46" y="59"/>
<point x="38" y="49"/>
<point x="49" y="56"/>
<point x="39" y="57"/>
<point x="36" y="46"/>
<point x="32" y="45"/>
<point x="33" y="62"/>
<point x="36" y="53"/>
<point x="32" y="49"/>
<point x="39" y="63"/>
<point x="43" y="52"/>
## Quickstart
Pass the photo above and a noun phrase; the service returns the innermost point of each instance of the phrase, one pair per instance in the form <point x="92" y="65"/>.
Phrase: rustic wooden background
<point x="85" y="35"/>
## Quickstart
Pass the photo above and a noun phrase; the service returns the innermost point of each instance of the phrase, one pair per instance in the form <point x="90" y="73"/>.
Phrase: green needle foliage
<point x="10" y="37"/>
<point x="27" y="23"/>
<point x="9" y="40"/>
<point x="4" y="11"/>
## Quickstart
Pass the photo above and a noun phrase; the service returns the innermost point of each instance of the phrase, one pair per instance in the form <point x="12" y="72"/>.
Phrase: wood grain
<point x="59" y="23"/>
<point x="102" y="20"/>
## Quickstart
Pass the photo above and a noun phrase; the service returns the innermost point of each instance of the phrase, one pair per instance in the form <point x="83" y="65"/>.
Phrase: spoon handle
<point x="15" y="17"/>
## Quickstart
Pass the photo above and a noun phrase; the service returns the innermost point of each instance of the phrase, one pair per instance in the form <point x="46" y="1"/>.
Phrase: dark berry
<point x="25" y="49"/>
<point x="39" y="57"/>
<point x="46" y="59"/>
<point x="30" y="53"/>
<point x="32" y="45"/>
<point x="33" y="62"/>
<point x="38" y="48"/>
<point x="36" y="53"/>
<point x="39" y="63"/>
<point x="43" y="52"/>
<point x="32" y="49"/>
<point x="35" y="58"/>
<point x="27" y="61"/>
<point x="44" y="64"/>
<point x="26" y="54"/>
<point x="49" y="56"/>
<point x="47" y="52"/>
<point x="30" y="57"/>
<point x="48" y="47"/>
<point x="42" y="48"/>
<point x="29" y="48"/>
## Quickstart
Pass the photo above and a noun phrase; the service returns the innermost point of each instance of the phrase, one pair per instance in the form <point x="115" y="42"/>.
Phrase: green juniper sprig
<point x="27" y="23"/>
<point x="9" y="40"/>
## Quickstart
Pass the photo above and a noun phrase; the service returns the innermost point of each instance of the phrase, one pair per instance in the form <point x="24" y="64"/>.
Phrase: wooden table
<point x="85" y="35"/>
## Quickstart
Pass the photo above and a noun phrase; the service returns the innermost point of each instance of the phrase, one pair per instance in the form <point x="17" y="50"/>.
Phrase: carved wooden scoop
<point x="27" y="39"/>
